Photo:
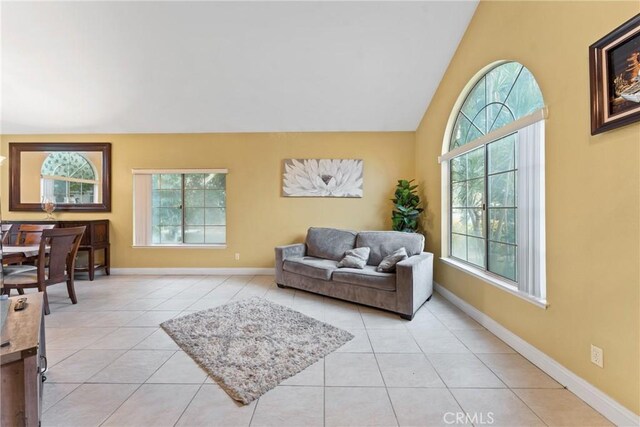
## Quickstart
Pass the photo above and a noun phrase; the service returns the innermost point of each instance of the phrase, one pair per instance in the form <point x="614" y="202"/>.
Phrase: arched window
<point x="69" y="177"/>
<point x="493" y="167"/>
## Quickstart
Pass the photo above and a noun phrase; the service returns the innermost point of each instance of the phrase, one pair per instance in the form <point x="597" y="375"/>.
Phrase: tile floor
<point x="111" y="365"/>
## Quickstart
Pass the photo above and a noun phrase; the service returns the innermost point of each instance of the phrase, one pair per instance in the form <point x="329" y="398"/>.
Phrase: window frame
<point x="531" y="258"/>
<point x="142" y="206"/>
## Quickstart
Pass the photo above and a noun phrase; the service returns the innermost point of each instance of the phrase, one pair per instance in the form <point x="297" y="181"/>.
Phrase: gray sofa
<point x="313" y="266"/>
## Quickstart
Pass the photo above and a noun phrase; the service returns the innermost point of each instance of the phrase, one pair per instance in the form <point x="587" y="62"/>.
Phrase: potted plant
<point x="407" y="208"/>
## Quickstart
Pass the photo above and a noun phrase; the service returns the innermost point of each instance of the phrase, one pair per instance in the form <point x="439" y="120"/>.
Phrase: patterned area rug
<point x="250" y="346"/>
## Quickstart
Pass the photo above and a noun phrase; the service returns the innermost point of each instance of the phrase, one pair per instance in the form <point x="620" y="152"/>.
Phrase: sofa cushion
<point x="388" y="263"/>
<point x="383" y="243"/>
<point x="329" y="243"/>
<point x="367" y="277"/>
<point x="311" y="267"/>
<point x="355" y="258"/>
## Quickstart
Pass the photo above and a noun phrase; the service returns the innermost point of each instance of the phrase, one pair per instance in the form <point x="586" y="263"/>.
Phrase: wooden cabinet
<point x="22" y="364"/>
<point x="95" y="239"/>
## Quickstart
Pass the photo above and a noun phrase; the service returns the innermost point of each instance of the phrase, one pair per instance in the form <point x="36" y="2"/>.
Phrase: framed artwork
<point x="322" y="178"/>
<point x="614" y="64"/>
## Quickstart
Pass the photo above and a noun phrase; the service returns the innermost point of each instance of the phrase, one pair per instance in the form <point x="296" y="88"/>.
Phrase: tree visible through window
<point x="68" y="177"/>
<point x="188" y="208"/>
<point x="486" y="222"/>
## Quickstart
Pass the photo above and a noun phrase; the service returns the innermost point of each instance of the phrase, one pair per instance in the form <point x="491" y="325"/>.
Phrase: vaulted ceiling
<point x="116" y="67"/>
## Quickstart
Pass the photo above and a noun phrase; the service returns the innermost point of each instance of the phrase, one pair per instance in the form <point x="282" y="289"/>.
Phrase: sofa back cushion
<point x="329" y="243"/>
<point x="383" y="243"/>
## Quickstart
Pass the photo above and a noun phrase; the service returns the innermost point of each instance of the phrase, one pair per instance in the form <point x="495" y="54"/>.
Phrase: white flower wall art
<point x="322" y="178"/>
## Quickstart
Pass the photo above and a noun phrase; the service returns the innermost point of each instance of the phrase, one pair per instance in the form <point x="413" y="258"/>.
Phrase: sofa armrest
<point x="284" y="252"/>
<point x="414" y="282"/>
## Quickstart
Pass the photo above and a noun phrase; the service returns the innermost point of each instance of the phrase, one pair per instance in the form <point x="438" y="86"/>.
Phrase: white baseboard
<point x="593" y="396"/>
<point x="242" y="271"/>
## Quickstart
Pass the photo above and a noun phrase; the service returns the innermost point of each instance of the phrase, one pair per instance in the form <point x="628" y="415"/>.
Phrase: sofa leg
<point x="407" y="316"/>
<point x="281" y="286"/>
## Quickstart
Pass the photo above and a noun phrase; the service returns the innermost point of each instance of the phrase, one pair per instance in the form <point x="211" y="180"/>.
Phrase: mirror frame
<point x="17" y="148"/>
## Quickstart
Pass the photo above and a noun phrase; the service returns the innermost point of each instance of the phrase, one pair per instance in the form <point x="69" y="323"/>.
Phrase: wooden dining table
<point x="15" y="254"/>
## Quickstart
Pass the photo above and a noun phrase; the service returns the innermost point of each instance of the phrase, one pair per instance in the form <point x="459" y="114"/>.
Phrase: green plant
<point x="407" y="208"/>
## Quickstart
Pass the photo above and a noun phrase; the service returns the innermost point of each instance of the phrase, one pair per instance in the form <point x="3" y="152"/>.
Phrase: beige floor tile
<point x="392" y="341"/>
<point x="358" y="406"/>
<point x="75" y="338"/>
<point x="82" y="365"/>
<point x="153" y="405"/>
<point x="135" y="366"/>
<point x="114" y="318"/>
<point x="213" y="407"/>
<point x="458" y="320"/>
<point x="359" y="344"/>
<point x="176" y="303"/>
<point x="425" y="320"/>
<point x="93" y="339"/>
<point x="55" y="356"/>
<point x="68" y="319"/>
<point x="311" y="376"/>
<point x="142" y="304"/>
<point x="426" y="407"/>
<point x="88" y="405"/>
<point x="275" y="408"/>
<point x="464" y="370"/>
<point x="152" y="318"/>
<point x="442" y="344"/>
<point x="52" y="393"/>
<point x="280" y="296"/>
<point x="352" y="369"/>
<point x="208" y="302"/>
<point x="408" y="370"/>
<point x="517" y="372"/>
<point x="378" y="319"/>
<point x="351" y="319"/>
<point x="122" y="338"/>
<point x="561" y="408"/>
<point x="482" y="341"/>
<point x="495" y="407"/>
<point x="179" y="369"/>
<point x="159" y="340"/>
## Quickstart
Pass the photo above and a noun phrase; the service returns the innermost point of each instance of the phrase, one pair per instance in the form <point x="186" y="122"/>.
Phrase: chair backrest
<point x="6" y="233"/>
<point x="62" y="245"/>
<point x="30" y="234"/>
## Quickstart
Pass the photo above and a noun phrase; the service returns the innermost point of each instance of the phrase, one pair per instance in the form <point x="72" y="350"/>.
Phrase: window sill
<point x="179" y="246"/>
<point x="494" y="281"/>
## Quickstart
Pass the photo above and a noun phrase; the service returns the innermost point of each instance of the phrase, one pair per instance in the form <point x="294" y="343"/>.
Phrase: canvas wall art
<point x="322" y="178"/>
<point x="615" y="78"/>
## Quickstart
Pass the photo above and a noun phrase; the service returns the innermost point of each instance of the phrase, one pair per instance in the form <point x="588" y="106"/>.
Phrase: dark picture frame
<point x="17" y="148"/>
<point x="614" y="65"/>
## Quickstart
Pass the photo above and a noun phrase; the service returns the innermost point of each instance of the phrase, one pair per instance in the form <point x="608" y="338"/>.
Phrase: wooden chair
<point x="30" y="234"/>
<point x="6" y="233"/>
<point x="55" y="264"/>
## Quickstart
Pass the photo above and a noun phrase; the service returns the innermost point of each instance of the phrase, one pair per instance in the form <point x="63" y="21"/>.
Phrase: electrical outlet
<point x="597" y="356"/>
<point x="237" y="256"/>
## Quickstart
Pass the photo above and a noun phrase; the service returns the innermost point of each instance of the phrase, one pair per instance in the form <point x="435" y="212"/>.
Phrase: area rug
<point x="250" y="346"/>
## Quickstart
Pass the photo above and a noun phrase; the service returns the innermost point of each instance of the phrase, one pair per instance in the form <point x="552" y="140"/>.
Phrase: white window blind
<point x="531" y="211"/>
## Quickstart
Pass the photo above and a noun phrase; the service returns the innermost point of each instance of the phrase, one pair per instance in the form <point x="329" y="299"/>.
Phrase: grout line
<point x="190" y="401"/>
<point x="123" y="402"/>
<point x="375" y="356"/>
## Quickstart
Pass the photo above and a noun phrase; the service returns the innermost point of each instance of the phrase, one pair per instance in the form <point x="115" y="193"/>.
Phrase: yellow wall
<point x="258" y="217"/>
<point x="592" y="188"/>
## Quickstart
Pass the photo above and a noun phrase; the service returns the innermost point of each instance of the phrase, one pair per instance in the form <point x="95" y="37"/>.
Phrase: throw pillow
<point x="355" y="258"/>
<point x="388" y="264"/>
